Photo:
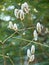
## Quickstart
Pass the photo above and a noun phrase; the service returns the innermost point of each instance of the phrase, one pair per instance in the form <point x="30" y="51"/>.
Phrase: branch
<point x="8" y="37"/>
<point x="8" y="58"/>
<point x="30" y="43"/>
<point x="15" y="33"/>
<point x="11" y="61"/>
<point x="26" y="28"/>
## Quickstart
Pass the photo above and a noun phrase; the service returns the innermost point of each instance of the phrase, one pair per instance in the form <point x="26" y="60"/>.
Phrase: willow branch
<point x="8" y="37"/>
<point x="8" y="58"/>
<point x="11" y="61"/>
<point x="30" y="43"/>
<point x="3" y="53"/>
<point x="15" y="33"/>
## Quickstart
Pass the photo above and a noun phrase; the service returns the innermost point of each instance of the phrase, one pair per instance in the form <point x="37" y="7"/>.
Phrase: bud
<point x="35" y="35"/>
<point x="24" y="33"/>
<point x="25" y="7"/>
<point x="28" y="53"/>
<point x="46" y="31"/>
<point x="32" y="49"/>
<point x="15" y="27"/>
<point x="10" y="25"/>
<point x="13" y="43"/>
<point x="19" y="4"/>
<point x="21" y="13"/>
<point x="7" y="54"/>
<point x="38" y="26"/>
<point x="32" y="57"/>
<point x="35" y="10"/>
<point x="16" y="13"/>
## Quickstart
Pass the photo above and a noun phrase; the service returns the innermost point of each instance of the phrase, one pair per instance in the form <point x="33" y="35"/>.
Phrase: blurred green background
<point x="13" y="46"/>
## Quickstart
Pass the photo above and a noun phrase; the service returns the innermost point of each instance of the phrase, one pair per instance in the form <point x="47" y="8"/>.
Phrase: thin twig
<point x="11" y="61"/>
<point x="22" y="23"/>
<point x="30" y="43"/>
<point x="8" y="58"/>
<point x="26" y="29"/>
<point x="15" y="33"/>
<point x="3" y="53"/>
<point x="27" y="44"/>
<point x="8" y="37"/>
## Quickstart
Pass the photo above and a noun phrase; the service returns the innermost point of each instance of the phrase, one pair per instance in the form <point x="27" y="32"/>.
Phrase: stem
<point x="8" y="58"/>
<point x="26" y="29"/>
<point x="14" y="33"/>
<point x="3" y="53"/>
<point x="20" y="53"/>
<point x="8" y="37"/>
<point x="28" y="44"/>
<point x="22" y="23"/>
<point x="20" y="57"/>
<point x="38" y="43"/>
<point x="11" y="61"/>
